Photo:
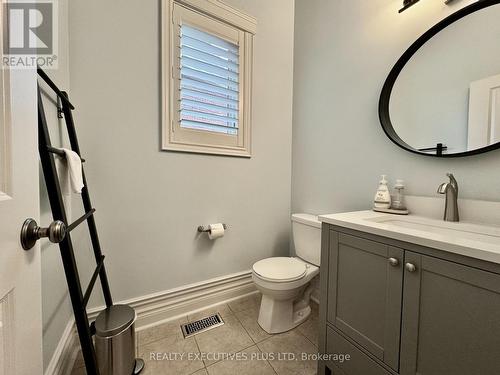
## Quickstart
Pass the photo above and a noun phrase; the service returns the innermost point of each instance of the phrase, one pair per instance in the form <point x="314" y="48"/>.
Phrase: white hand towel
<point x="71" y="173"/>
<point x="63" y="173"/>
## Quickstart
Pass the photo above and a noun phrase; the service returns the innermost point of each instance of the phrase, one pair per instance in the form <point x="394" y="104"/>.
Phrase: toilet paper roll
<point x="216" y="231"/>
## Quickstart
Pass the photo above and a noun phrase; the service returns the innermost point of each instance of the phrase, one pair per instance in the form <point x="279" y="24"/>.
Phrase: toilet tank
<point x="306" y="231"/>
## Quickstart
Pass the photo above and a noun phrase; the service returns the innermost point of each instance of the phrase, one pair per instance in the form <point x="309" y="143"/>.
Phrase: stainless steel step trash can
<point x="115" y="341"/>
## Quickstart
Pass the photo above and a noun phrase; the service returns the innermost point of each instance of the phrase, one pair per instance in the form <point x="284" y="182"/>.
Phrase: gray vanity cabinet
<point x="451" y="319"/>
<point x="399" y="308"/>
<point x="365" y="294"/>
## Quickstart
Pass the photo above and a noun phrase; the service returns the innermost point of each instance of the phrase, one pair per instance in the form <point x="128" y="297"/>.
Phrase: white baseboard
<point x="65" y="353"/>
<point x="158" y="308"/>
<point x="315" y="294"/>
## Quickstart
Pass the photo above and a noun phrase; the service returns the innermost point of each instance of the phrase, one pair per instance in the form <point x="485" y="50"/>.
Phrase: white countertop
<point x="464" y="238"/>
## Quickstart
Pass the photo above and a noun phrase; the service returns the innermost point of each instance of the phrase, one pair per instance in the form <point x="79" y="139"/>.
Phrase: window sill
<point x="207" y="150"/>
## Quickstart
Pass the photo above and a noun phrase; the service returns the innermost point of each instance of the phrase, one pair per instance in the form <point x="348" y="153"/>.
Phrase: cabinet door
<point x="358" y="363"/>
<point x="364" y="294"/>
<point x="451" y="319"/>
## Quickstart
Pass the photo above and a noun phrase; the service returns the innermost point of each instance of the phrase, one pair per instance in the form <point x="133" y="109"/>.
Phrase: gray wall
<point x="343" y="53"/>
<point x="56" y="308"/>
<point x="149" y="203"/>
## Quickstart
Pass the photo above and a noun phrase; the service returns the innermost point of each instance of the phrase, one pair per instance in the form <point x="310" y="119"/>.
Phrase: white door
<point x="20" y="271"/>
<point x="484" y="113"/>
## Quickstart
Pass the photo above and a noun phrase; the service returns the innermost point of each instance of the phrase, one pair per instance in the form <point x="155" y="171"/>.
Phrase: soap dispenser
<point x="398" y="201"/>
<point x="383" y="196"/>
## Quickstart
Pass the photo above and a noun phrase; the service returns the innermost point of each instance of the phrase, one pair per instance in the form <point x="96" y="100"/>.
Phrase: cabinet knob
<point x="393" y="262"/>
<point x="410" y="267"/>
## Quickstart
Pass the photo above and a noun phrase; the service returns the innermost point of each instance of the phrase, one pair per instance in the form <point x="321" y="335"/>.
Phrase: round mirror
<point x="442" y="98"/>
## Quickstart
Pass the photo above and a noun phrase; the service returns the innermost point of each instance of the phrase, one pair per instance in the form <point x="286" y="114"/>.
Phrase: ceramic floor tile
<point x="79" y="360"/>
<point x="248" y="318"/>
<point x="223" y="309"/>
<point x="172" y="355"/>
<point x="251" y="302"/>
<point x="310" y="327"/>
<point x="247" y="362"/>
<point x="78" y="371"/>
<point x="229" y="338"/>
<point x="315" y="309"/>
<point x="239" y="334"/>
<point x="283" y="346"/>
<point x="160" y="331"/>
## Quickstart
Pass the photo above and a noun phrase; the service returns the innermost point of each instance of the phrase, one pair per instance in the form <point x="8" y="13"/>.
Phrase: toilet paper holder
<point x="206" y="228"/>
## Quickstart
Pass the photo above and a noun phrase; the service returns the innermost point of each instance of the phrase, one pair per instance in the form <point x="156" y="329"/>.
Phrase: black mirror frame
<point x="385" y="96"/>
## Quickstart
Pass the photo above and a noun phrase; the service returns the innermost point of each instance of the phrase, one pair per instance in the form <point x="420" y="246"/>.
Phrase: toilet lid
<point x="280" y="269"/>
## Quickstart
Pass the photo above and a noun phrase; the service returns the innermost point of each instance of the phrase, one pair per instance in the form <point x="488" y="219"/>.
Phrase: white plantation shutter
<point x="209" y="86"/>
<point x="209" y="82"/>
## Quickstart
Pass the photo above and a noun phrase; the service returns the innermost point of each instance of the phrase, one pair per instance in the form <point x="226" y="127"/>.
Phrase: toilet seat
<point x="280" y="269"/>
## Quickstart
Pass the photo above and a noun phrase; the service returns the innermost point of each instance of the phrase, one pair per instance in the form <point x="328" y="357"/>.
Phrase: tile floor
<point x="240" y="346"/>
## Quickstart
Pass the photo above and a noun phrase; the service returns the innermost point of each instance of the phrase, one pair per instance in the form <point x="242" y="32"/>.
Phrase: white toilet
<point x="284" y="282"/>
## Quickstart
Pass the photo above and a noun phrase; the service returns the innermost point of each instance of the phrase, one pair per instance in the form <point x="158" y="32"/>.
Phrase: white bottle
<point x="383" y="196"/>
<point x="398" y="200"/>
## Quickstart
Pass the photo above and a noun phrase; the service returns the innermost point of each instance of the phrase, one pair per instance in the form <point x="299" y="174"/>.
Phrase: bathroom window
<point x="207" y="66"/>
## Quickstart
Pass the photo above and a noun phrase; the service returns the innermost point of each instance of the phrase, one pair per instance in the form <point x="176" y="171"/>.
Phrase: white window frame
<point x="215" y="17"/>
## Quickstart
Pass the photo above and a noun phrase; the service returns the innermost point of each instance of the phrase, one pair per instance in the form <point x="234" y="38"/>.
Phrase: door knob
<point x="394" y="262"/>
<point x="410" y="267"/>
<point x="31" y="232"/>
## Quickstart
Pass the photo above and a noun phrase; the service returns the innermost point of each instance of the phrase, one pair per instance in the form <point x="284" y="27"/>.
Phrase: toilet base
<point x="277" y="316"/>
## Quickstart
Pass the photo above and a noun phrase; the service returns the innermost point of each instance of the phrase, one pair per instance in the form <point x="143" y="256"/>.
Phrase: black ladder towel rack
<point x="79" y="299"/>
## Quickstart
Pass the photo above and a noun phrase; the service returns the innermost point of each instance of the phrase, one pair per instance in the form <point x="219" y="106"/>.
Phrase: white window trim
<point x="228" y="15"/>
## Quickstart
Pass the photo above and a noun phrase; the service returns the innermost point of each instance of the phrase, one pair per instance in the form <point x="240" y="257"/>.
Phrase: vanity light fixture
<point x="409" y="3"/>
